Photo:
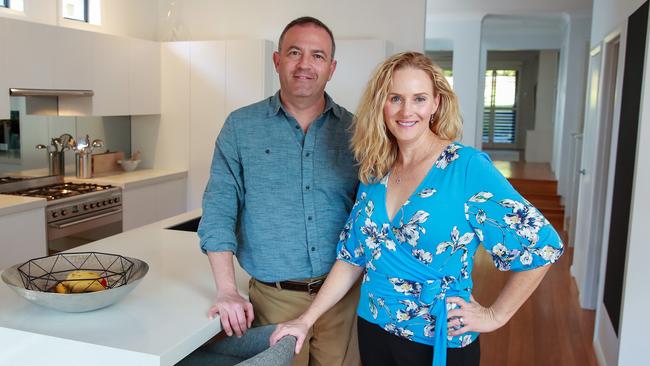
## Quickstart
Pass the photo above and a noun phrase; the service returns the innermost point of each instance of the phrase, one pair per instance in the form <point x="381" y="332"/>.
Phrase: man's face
<point x="304" y="62"/>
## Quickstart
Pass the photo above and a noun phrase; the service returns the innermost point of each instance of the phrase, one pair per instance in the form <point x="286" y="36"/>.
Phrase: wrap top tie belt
<point x="432" y="294"/>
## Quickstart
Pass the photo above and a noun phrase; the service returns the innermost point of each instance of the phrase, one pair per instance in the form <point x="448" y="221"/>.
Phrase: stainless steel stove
<point x="76" y="213"/>
<point x="4" y="180"/>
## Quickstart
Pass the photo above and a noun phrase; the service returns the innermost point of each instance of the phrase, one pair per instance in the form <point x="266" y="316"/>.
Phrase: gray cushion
<point x="252" y="349"/>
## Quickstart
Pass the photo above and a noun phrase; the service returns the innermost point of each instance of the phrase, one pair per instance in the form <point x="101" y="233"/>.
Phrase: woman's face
<point x="409" y="105"/>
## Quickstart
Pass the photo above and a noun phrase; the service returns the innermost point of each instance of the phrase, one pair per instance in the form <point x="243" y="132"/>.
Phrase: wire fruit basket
<point x="91" y="280"/>
<point x="43" y="274"/>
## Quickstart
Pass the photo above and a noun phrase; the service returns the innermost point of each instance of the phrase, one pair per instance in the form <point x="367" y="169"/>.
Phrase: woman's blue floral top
<point x="425" y="253"/>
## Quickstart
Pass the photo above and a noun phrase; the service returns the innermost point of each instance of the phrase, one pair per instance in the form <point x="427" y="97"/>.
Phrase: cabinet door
<point x="73" y="59"/>
<point x="144" y="77"/>
<point x="207" y="111"/>
<point x="150" y="203"/>
<point x="249" y="66"/>
<point x="29" y="50"/>
<point x="23" y="237"/>
<point x="110" y="75"/>
<point x="4" y="85"/>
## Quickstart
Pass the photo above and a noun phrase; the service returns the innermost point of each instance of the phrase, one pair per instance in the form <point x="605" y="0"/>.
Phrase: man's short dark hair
<point x="305" y="21"/>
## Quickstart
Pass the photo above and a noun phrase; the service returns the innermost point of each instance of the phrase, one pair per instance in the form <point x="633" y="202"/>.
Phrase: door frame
<point x="605" y="339"/>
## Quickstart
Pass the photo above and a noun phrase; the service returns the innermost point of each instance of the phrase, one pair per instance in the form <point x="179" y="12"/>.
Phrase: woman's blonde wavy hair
<point x="373" y="145"/>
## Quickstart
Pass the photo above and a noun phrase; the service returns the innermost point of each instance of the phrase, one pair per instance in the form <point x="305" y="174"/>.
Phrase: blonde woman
<point x="424" y="205"/>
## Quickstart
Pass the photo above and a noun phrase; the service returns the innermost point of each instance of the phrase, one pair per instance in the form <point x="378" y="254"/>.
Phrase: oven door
<point x="70" y="233"/>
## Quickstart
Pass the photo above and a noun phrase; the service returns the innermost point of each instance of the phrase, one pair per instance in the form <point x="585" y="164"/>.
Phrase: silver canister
<point x="56" y="162"/>
<point x="84" y="165"/>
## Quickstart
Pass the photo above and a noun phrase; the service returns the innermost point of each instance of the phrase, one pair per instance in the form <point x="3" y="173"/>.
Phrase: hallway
<point x="550" y="328"/>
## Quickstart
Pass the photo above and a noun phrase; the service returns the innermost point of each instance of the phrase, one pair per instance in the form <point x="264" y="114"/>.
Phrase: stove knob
<point x="55" y="214"/>
<point x="104" y="203"/>
<point x="110" y="202"/>
<point x="85" y="206"/>
<point x="64" y="212"/>
<point x="92" y="205"/>
<point x="117" y="199"/>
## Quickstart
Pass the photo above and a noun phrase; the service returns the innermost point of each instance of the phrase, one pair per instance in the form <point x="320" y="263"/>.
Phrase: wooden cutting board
<point x="107" y="162"/>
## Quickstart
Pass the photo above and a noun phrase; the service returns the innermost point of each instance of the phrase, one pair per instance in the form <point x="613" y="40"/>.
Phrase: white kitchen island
<point x="159" y="323"/>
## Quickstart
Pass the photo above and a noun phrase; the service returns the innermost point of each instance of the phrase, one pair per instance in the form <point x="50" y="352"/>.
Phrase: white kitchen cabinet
<point x="110" y="75"/>
<point x="250" y="72"/>
<point x="224" y="76"/>
<point x="4" y="85"/>
<point x="147" y="203"/>
<point x="29" y="50"/>
<point x="23" y="236"/>
<point x="144" y="77"/>
<point x="73" y="61"/>
<point x="207" y="111"/>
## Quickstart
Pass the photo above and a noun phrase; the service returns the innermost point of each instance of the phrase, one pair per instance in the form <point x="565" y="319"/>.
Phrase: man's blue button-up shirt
<point x="278" y="197"/>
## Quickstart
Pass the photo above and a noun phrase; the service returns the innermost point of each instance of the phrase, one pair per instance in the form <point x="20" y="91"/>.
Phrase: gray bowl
<point x="73" y="303"/>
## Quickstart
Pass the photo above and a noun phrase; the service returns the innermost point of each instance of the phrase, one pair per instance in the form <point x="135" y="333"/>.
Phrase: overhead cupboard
<point x="124" y="73"/>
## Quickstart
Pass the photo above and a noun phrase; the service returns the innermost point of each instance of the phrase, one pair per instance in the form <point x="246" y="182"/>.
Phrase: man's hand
<point x="236" y="313"/>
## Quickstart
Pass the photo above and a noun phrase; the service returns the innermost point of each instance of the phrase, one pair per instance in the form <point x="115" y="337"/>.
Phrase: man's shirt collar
<point x="275" y="105"/>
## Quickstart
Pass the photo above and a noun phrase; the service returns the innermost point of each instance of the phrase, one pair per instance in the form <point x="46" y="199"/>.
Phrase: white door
<point x="594" y="170"/>
<point x="584" y="215"/>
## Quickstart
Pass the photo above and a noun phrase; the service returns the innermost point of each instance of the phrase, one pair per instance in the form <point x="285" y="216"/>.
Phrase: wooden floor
<point x="550" y="328"/>
<point x="522" y="170"/>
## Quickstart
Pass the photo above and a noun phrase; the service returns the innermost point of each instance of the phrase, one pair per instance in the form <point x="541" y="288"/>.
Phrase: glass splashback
<point x="20" y="135"/>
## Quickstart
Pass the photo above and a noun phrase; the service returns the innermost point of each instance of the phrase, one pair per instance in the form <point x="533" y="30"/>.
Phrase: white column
<point x="570" y="100"/>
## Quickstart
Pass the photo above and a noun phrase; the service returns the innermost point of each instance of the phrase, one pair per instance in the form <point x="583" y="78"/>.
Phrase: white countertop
<point x="13" y="204"/>
<point x="159" y="323"/>
<point x="136" y="178"/>
<point x="126" y="180"/>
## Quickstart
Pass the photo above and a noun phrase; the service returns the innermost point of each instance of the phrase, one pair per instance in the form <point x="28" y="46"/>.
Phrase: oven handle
<point x="63" y="226"/>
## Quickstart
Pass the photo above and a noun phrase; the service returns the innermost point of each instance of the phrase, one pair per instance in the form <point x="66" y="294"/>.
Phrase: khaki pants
<point x="332" y="341"/>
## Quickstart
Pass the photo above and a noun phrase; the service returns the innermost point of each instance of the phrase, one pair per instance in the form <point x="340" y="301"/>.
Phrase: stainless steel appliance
<point x="76" y="213"/>
<point x="4" y="180"/>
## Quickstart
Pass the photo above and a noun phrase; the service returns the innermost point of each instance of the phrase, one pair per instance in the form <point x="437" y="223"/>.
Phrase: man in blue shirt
<point x="282" y="183"/>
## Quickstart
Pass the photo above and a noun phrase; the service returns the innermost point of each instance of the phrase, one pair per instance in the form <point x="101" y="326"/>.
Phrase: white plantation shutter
<point x="500" y="112"/>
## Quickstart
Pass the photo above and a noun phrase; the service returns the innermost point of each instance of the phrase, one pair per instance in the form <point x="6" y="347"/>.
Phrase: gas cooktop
<point x="61" y="190"/>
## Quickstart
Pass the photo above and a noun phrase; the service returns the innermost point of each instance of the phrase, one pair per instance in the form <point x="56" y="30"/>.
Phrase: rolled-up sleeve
<point x="223" y="194"/>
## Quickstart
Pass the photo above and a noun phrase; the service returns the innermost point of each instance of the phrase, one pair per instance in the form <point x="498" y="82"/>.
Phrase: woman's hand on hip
<point x="297" y="328"/>
<point x="470" y="317"/>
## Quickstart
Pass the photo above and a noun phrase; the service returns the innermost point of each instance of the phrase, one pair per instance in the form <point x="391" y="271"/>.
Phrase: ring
<point x="462" y="321"/>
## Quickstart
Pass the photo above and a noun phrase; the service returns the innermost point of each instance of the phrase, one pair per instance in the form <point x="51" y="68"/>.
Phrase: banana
<point x="84" y="281"/>
<point x="60" y="289"/>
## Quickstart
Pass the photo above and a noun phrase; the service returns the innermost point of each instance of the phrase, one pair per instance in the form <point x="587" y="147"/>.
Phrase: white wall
<point x="463" y="33"/>
<point x="473" y="33"/>
<point x="402" y="27"/>
<point x="138" y="19"/>
<point x="635" y="320"/>
<point x="608" y="14"/>
<point x="538" y="140"/>
<point x="633" y="337"/>
<point x="570" y="99"/>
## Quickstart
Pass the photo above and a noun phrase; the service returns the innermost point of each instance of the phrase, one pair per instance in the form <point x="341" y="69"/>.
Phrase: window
<point x="75" y="10"/>
<point x="500" y="111"/>
<point x="12" y="4"/>
<point x="86" y="11"/>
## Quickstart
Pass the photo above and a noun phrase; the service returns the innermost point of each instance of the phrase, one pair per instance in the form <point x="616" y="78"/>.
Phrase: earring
<point x="432" y="118"/>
